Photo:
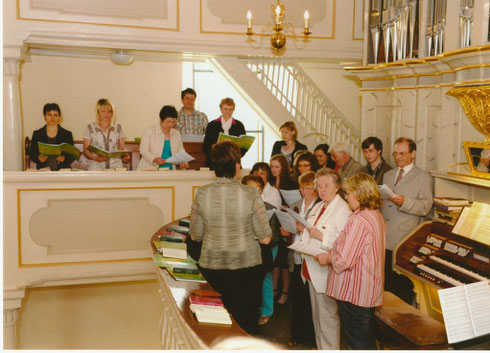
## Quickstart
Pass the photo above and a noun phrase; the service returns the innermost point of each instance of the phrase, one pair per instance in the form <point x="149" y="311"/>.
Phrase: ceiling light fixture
<point x="278" y="30"/>
<point x="121" y="58"/>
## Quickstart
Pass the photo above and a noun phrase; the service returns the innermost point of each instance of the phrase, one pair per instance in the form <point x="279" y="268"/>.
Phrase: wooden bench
<point x="401" y="326"/>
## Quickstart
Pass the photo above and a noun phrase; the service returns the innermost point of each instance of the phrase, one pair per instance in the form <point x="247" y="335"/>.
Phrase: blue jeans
<point x="357" y="325"/>
<point x="267" y="307"/>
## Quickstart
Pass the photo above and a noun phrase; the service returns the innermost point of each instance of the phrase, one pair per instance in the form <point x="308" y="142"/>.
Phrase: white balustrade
<point x="307" y="104"/>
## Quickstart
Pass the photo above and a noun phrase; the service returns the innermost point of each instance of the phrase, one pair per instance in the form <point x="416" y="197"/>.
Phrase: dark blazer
<point x="378" y="175"/>
<point x="63" y="136"/>
<point x="276" y="149"/>
<point x="212" y="132"/>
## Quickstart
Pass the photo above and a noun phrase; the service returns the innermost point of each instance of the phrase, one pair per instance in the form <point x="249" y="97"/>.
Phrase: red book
<point x="213" y="301"/>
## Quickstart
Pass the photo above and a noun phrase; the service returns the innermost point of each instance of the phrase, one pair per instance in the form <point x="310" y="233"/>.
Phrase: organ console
<point x="434" y="257"/>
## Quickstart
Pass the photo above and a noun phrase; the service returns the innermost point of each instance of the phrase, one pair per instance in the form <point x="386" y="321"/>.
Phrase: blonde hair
<point x="103" y="102"/>
<point x="290" y="125"/>
<point x="366" y="190"/>
<point x="307" y="178"/>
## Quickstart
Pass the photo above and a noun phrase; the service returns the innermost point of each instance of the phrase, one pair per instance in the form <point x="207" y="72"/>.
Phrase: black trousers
<point x="397" y="284"/>
<point x="301" y="323"/>
<point x="357" y="324"/>
<point x="241" y="292"/>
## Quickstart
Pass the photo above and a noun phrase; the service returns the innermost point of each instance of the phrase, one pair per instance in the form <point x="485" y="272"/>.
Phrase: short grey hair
<point x="340" y="147"/>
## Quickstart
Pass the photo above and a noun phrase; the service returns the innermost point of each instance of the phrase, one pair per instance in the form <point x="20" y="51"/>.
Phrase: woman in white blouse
<point x="161" y="141"/>
<point x="327" y="219"/>
<point x="105" y="135"/>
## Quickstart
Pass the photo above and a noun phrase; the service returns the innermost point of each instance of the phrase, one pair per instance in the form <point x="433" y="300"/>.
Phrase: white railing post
<point x="306" y="103"/>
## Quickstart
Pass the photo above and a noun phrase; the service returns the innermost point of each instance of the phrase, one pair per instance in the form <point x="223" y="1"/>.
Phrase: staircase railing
<point x="308" y="105"/>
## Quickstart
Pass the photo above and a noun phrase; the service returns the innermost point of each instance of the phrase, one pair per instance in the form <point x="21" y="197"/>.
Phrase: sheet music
<point x="291" y="196"/>
<point x="385" y="191"/>
<point x="479" y="302"/>
<point x="287" y="222"/>
<point x="474" y="222"/>
<point x="306" y="248"/>
<point x="456" y="313"/>
<point x="297" y="217"/>
<point x="180" y="157"/>
<point x="466" y="311"/>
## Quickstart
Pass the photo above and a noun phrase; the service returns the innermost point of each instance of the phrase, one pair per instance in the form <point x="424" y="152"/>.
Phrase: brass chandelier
<point x="278" y="30"/>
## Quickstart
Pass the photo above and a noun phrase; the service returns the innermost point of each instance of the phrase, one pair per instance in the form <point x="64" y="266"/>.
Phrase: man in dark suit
<point x="403" y="211"/>
<point x="372" y="149"/>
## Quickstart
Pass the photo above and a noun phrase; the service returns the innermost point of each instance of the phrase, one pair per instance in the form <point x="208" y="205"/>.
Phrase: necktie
<point x="399" y="177"/>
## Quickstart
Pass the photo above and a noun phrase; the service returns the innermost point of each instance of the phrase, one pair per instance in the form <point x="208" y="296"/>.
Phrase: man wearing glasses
<point x="346" y="165"/>
<point x="403" y="211"/>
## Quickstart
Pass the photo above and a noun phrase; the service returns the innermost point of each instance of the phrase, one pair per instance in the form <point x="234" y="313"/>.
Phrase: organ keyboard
<point x="441" y="258"/>
<point x="434" y="257"/>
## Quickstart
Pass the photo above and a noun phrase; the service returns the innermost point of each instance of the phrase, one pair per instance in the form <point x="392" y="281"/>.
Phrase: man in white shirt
<point x="403" y="211"/>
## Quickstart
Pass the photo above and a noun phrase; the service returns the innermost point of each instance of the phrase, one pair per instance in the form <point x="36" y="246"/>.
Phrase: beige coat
<point x="151" y="146"/>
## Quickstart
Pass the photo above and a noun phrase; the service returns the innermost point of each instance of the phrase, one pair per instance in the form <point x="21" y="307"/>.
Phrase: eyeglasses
<point x="401" y="154"/>
<point x="302" y="165"/>
<point x="307" y="188"/>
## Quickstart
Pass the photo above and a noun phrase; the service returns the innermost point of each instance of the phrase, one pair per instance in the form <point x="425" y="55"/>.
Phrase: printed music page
<point x="456" y="314"/>
<point x="474" y="223"/>
<point x="306" y="248"/>
<point x="466" y="311"/>
<point x="287" y="222"/>
<point x="478" y="295"/>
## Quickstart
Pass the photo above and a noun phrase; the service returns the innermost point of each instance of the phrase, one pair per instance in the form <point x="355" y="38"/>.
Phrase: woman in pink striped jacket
<point x="357" y="260"/>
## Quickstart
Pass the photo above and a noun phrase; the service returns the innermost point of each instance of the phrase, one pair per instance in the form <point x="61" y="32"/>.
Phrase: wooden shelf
<point x="461" y="178"/>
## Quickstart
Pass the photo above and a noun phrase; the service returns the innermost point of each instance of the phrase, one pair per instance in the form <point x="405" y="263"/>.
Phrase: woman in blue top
<point x="161" y="141"/>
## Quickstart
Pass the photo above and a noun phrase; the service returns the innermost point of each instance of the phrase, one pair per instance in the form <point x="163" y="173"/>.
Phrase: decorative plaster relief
<point x="224" y="16"/>
<point x="111" y="8"/>
<point x="78" y="226"/>
<point x="427" y="144"/>
<point x="358" y="20"/>
<point x="157" y="14"/>
<point x="90" y="224"/>
<point x="381" y="122"/>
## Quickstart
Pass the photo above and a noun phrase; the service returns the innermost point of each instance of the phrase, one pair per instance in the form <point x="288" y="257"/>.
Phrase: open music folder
<point x="466" y="311"/>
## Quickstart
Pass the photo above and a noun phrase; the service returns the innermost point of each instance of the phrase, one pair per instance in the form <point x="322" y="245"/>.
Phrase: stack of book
<point x="173" y="258"/>
<point x="180" y="269"/>
<point x="209" y="308"/>
<point x="448" y="209"/>
<point x="182" y="227"/>
<point x="174" y="237"/>
<point x="171" y="249"/>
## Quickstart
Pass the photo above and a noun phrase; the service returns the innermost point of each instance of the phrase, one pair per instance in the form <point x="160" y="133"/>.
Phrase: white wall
<point x="138" y="91"/>
<point x="341" y="87"/>
<point x="187" y="26"/>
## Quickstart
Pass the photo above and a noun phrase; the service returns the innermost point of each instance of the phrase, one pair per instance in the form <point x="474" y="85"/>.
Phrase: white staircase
<point x="280" y="90"/>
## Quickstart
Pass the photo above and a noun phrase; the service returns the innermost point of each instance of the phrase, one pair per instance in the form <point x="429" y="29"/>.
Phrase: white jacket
<point x="151" y="146"/>
<point x="331" y="223"/>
